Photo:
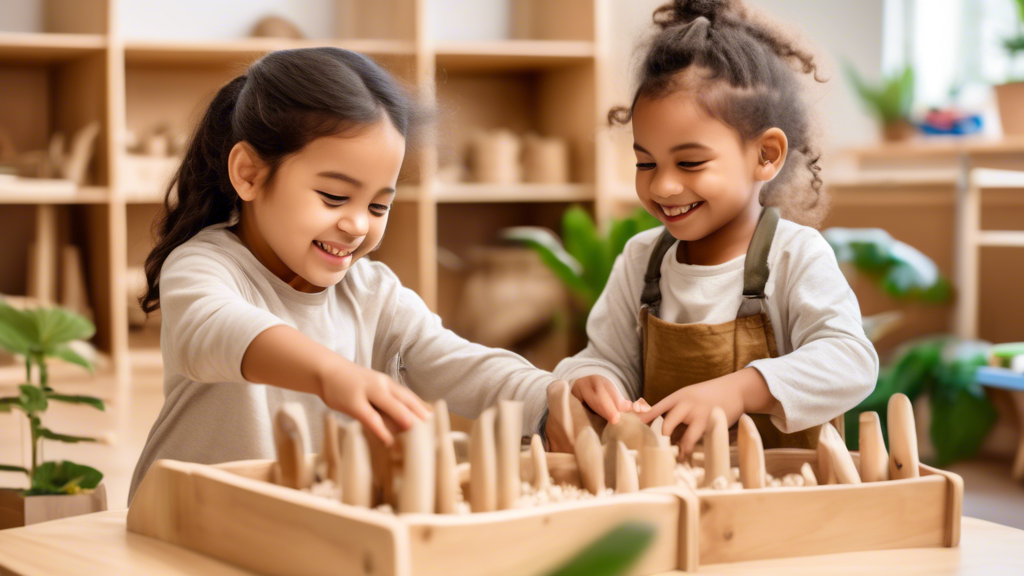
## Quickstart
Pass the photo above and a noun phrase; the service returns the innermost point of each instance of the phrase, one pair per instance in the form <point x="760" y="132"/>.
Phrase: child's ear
<point x="244" y="167"/>
<point x="773" y="146"/>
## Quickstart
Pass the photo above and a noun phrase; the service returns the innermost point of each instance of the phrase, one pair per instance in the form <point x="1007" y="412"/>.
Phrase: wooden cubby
<point x="548" y="77"/>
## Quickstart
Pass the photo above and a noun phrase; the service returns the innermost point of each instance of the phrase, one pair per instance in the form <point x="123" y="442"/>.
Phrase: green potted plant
<point x="57" y="489"/>
<point x="1010" y="95"/>
<point x="890" y="101"/>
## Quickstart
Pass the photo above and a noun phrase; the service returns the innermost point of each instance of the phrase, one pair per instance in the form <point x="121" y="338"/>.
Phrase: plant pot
<point x="897" y="131"/>
<point x="1010" y="98"/>
<point x="18" y="510"/>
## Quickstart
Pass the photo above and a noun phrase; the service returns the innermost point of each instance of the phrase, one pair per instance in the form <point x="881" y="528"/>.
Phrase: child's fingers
<point x="371" y="420"/>
<point x="657" y="410"/>
<point x="601" y="402"/>
<point x="694" y="431"/>
<point x="676" y="416"/>
<point x="410" y="399"/>
<point x="621" y="404"/>
<point x="641" y="406"/>
<point x="390" y="405"/>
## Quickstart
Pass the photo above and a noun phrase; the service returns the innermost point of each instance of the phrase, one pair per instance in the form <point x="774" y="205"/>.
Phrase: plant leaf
<point x="9" y="402"/>
<point x="612" y="554"/>
<point x="58" y="326"/>
<point x="90" y="400"/>
<point x="64" y="352"/>
<point x="579" y="233"/>
<point x="58" y="477"/>
<point x="960" y="423"/>
<point x="32" y="398"/>
<point x="18" y="332"/>
<point x="51" y="435"/>
<point x="7" y="468"/>
<point x="553" y="255"/>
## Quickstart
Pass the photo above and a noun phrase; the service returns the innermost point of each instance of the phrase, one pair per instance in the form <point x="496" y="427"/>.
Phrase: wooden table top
<point x="99" y="543"/>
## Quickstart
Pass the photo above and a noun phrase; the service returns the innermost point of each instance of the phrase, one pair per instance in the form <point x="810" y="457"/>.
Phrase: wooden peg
<point x="447" y="477"/>
<point x="291" y="438"/>
<point x="559" y="414"/>
<point x="657" y="466"/>
<point x="716" y="448"/>
<point x="657" y="424"/>
<point x="840" y="462"/>
<point x="874" y="459"/>
<point x="509" y="441"/>
<point x="541" y="476"/>
<point x="751" y="452"/>
<point x="583" y="418"/>
<point x="382" y="468"/>
<point x="590" y="460"/>
<point x="808" y="474"/>
<point x="903" y="458"/>
<point x="826" y="474"/>
<point x="631" y="431"/>
<point x="483" y="467"/>
<point x="357" y="480"/>
<point x="332" y="448"/>
<point x="419" y="469"/>
<point x="626" y="478"/>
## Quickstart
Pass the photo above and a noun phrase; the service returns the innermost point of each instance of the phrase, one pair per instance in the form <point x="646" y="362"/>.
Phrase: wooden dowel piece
<point x="808" y="474"/>
<point x="332" y="448"/>
<point x="903" y="457"/>
<point x="716" y="448"/>
<point x="483" y="467"/>
<point x="751" y="452"/>
<point x="626" y="478"/>
<point x="874" y="459"/>
<point x="418" y="472"/>
<point x="509" y="441"/>
<point x="357" y="480"/>
<point x="291" y="438"/>
<point x="541" y="476"/>
<point x="447" y="477"/>
<point x="840" y="462"/>
<point x="590" y="460"/>
<point x="559" y="415"/>
<point x="382" y="468"/>
<point x="657" y="466"/>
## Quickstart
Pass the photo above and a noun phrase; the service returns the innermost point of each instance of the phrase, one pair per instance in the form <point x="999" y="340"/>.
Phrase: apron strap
<point x="755" y="268"/>
<point x="651" y="296"/>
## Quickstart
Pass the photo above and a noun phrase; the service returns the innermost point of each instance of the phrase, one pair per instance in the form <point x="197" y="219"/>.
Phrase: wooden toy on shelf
<point x="563" y="507"/>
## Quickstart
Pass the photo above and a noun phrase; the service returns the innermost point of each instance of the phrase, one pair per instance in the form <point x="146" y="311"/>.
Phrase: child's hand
<point x="370" y="397"/>
<point x="601" y="396"/>
<point x="692" y="406"/>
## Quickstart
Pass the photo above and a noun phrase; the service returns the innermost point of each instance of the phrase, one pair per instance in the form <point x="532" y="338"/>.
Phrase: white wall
<point x="837" y="30"/>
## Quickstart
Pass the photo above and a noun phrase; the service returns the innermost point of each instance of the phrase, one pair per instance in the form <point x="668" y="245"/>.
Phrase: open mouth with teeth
<point x="676" y="213"/>
<point x="331" y="252"/>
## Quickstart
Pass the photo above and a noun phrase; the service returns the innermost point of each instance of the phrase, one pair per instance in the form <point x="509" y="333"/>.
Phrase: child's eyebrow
<point x="676" y="148"/>
<point x="342" y="177"/>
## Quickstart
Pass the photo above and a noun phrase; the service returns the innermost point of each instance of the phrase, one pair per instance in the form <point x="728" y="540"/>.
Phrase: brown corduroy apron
<point x="679" y="355"/>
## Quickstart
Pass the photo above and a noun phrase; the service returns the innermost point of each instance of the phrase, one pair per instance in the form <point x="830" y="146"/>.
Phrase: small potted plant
<point x="1010" y="96"/>
<point x="890" y="101"/>
<point x="57" y="489"/>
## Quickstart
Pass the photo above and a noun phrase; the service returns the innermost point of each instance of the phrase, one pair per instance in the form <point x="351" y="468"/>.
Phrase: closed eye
<point x="379" y="209"/>
<point x="645" y="165"/>
<point x="691" y="164"/>
<point x="331" y="199"/>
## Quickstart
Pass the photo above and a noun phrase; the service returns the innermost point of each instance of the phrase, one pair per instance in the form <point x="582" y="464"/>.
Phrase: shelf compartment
<point x="502" y="55"/>
<point x="84" y="195"/>
<point x="514" y="193"/>
<point x="48" y="48"/>
<point x="245" y="50"/>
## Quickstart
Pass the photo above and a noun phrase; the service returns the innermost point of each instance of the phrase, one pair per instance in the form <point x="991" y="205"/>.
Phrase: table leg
<point x="1018" y="461"/>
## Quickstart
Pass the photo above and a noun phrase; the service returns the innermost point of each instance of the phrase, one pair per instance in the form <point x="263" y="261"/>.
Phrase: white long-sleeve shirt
<point x="826" y="364"/>
<point x="216" y="297"/>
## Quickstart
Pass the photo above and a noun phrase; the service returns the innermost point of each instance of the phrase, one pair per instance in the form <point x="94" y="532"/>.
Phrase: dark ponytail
<point x="283" y="102"/>
<point x="740" y="72"/>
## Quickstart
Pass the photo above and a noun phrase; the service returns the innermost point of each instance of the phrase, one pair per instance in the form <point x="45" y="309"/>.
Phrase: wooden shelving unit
<point x="550" y="79"/>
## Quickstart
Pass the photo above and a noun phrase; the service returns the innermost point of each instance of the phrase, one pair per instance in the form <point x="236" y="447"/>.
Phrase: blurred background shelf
<point x="46" y="48"/>
<point x="495" y="193"/>
<point x="500" y="55"/>
<point x="243" y="51"/>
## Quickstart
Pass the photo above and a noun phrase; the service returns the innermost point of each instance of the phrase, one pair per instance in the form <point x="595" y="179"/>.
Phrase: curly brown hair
<point x="741" y="72"/>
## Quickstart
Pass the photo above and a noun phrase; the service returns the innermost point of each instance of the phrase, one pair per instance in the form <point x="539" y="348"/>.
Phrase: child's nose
<point x="666" y="185"/>
<point x="354" y="223"/>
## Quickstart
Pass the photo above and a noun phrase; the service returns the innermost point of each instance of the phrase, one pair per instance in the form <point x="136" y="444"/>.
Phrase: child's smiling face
<point x="694" y="172"/>
<point x="326" y="207"/>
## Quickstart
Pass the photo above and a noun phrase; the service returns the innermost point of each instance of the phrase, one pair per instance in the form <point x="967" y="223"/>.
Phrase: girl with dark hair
<point x="260" y="274"/>
<point x="735" y="307"/>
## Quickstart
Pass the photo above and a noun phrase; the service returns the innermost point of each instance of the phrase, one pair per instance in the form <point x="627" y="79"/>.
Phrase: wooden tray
<point x="233" y="512"/>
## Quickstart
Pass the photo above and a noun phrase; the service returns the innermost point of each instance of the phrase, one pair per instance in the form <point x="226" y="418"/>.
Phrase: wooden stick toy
<point x="418" y="472"/>
<point x="903" y="458"/>
<point x="291" y="438"/>
<point x="559" y="415"/>
<point x="509" y="441"/>
<point x="357" y="481"/>
<point x="716" y="447"/>
<point x="626" y="478"/>
<point x="808" y="474"/>
<point x="874" y="459"/>
<point x="751" y="451"/>
<point x="447" y="477"/>
<point x="483" y="468"/>
<point x="382" y="468"/>
<point x="332" y="448"/>
<point x="840" y="462"/>
<point x="590" y="460"/>
<point x="541" y="476"/>
<point x="657" y="466"/>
